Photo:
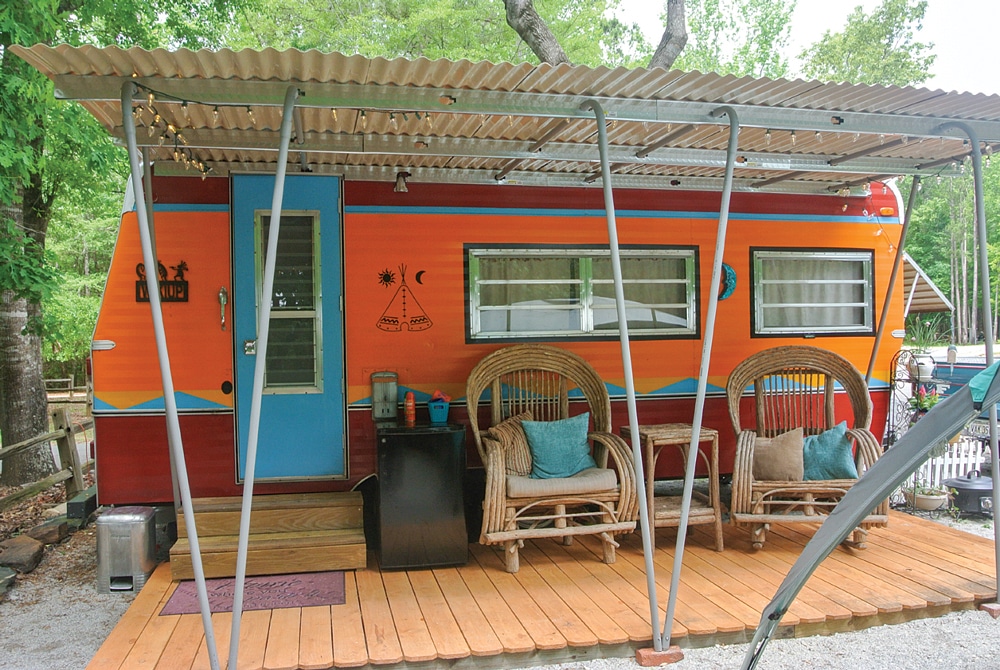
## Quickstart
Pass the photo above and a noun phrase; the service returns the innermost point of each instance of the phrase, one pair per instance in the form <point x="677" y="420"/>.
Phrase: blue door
<point x="301" y="432"/>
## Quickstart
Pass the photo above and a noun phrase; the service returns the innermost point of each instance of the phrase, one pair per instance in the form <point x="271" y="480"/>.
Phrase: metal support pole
<point x="147" y="176"/>
<point x="633" y="418"/>
<point x="988" y="336"/>
<point x="169" y="402"/>
<point x="897" y="263"/>
<point x="263" y="329"/>
<point x="706" y="359"/>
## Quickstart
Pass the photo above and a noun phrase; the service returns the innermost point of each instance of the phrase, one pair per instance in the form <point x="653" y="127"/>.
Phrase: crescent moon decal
<point x="728" y="281"/>
<point x="418" y="277"/>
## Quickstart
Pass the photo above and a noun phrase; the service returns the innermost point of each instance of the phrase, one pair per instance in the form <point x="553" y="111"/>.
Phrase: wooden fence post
<point x="69" y="457"/>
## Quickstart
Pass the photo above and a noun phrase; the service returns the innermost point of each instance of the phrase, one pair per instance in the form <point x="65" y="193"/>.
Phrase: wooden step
<point x="286" y="512"/>
<point x="274" y="553"/>
<point x="289" y="532"/>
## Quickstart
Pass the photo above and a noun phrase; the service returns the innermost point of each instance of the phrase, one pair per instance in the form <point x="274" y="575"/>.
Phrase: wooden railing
<point x="68" y="464"/>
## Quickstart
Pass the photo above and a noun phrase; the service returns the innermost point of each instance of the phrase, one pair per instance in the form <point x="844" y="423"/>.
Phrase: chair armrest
<point x="496" y="486"/>
<point x="867" y="449"/>
<point x="621" y="456"/>
<point x="743" y="472"/>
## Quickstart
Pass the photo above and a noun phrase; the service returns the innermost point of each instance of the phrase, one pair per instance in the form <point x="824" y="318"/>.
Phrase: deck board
<point x="565" y="599"/>
<point x="350" y="641"/>
<point x="282" y="651"/>
<point x="316" y="638"/>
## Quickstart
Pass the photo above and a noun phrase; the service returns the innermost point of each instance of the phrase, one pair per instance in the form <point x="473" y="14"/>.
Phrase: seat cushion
<point x="591" y="480"/>
<point x="778" y="459"/>
<point x="510" y="434"/>
<point x="829" y="455"/>
<point x="559" y="448"/>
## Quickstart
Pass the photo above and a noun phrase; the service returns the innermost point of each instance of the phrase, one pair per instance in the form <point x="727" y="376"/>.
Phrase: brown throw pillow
<point x="510" y="434"/>
<point x="779" y="459"/>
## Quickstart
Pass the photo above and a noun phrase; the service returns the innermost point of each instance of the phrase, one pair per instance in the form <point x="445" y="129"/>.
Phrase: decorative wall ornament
<point x="172" y="290"/>
<point x="403" y="309"/>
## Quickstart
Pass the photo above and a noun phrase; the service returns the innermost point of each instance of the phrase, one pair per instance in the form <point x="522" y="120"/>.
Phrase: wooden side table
<point x="665" y="511"/>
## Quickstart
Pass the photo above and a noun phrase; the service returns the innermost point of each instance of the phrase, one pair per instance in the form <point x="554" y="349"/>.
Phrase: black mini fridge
<point x="421" y="509"/>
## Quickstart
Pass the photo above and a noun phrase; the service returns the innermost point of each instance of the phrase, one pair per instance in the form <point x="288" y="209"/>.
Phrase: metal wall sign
<point x="171" y="290"/>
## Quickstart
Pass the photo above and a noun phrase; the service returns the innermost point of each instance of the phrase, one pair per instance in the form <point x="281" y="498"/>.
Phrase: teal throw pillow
<point x="828" y="455"/>
<point x="559" y="448"/>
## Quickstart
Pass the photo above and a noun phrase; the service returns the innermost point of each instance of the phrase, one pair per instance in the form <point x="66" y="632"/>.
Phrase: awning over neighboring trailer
<point x="462" y="122"/>
<point x="920" y="294"/>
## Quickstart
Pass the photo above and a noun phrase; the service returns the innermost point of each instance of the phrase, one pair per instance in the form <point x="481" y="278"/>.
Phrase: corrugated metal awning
<point x="920" y="294"/>
<point x="457" y="121"/>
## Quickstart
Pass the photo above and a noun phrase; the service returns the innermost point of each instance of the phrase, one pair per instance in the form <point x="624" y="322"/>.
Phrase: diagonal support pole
<point x="174" y="442"/>
<point x="263" y="329"/>
<point x="633" y="418"/>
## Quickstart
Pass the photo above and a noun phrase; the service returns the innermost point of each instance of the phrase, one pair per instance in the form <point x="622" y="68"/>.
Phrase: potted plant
<point x="925" y="497"/>
<point x="920" y="366"/>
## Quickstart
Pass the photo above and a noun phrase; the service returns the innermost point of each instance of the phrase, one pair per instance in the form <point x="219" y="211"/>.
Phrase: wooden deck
<point x="565" y="604"/>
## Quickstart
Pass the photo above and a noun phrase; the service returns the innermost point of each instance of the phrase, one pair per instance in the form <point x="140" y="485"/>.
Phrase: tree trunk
<point x="674" y="38"/>
<point x="23" y="401"/>
<point x="522" y="17"/>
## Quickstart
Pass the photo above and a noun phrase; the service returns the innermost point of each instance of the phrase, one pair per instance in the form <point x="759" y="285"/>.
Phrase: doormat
<point x="271" y="592"/>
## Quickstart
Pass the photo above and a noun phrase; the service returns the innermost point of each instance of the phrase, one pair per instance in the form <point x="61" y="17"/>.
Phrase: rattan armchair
<point x="796" y="387"/>
<point x="538" y="380"/>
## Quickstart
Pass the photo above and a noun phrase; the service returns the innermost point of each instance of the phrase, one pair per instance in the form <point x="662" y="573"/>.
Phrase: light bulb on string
<point x="393" y="122"/>
<point x="767" y="137"/>
<point x="253" y="119"/>
<point x="427" y="120"/>
<point x="215" y="116"/>
<point x="793" y="138"/>
<point x="150" y="99"/>
<point x="364" y="120"/>
<point x="161" y="139"/>
<point x="187" y="115"/>
<point x="819" y="137"/>
<point x="333" y="113"/>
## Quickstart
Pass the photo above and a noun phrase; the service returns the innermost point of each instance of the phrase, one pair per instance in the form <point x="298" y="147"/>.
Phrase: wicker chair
<point x="794" y="387"/>
<point x="598" y="501"/>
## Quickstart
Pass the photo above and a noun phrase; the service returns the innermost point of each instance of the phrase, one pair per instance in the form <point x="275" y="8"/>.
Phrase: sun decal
<point x="387" y="277"/>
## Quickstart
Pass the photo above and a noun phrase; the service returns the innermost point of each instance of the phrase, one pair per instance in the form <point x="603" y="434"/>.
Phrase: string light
<point x="392" y="121"/>
<point x="819" y="136"/>
<point x="364" y="120"/>
<point x="253" y="119"/>
<point x="333" y="113"/>
<point x="767" y="137"/>
<point x="215" y="116"/>
<point x="184" y="109"/>
<point x="427" y="120"/>
<point x="793" y="138"/>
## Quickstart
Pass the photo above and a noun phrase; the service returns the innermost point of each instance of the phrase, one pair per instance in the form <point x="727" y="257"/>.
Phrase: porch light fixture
<point x="400" y="186"/>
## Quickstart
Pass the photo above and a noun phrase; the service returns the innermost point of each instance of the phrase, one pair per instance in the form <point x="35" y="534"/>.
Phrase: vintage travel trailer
<point x="424" y="283"/>
<point x="434" y="212"/>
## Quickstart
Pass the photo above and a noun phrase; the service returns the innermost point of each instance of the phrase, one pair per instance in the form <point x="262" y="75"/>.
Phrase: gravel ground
<point x="54" y="619"/>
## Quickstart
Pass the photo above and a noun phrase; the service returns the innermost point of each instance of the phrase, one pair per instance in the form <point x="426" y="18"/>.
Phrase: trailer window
<point x="559" y="292"/>
<point x="812" y="292"/>
<point x="293" y="344"/>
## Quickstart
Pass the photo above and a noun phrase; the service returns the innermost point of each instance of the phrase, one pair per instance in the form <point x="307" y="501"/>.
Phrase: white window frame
<point x="865" y="257"/>
<point x="315" y="314"/>
<point x="586" y="282"/>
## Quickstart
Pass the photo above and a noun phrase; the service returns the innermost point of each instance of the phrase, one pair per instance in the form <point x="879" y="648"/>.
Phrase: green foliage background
<point x="84" y="173"/>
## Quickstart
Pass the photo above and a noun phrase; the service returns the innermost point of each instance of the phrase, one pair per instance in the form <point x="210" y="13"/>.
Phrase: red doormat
<point x="270" y="592"/>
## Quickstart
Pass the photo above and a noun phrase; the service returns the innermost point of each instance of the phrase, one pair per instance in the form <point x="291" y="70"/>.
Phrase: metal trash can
<point x="126" y="548"/>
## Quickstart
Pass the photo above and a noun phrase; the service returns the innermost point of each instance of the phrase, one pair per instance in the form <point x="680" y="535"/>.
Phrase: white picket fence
<point x="962" y="457"/>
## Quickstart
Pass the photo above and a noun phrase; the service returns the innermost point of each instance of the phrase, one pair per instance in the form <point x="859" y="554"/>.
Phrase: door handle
<point x="250" y="347"/>
<point x="223" y="299"/>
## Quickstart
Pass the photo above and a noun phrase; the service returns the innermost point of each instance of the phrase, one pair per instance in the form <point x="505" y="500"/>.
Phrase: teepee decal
<point x="403" y="309"/>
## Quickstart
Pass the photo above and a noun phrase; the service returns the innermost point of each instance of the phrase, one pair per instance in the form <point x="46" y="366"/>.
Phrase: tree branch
<point x="674" y="36"/>
<point x="522" y="17"/>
